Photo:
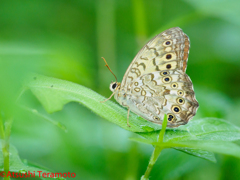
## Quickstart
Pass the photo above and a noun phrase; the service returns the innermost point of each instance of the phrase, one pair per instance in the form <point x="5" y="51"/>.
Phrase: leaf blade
<point x="55" y="93"/>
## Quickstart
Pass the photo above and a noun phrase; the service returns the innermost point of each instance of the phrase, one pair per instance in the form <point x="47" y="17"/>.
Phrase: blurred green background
<point x="66" y="40"/>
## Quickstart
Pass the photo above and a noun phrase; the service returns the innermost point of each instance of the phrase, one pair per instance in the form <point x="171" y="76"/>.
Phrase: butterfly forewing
<point x="168" y="50"/>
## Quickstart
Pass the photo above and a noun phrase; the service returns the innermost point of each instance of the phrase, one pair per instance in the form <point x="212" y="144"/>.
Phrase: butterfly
<point x="155" y="82"/>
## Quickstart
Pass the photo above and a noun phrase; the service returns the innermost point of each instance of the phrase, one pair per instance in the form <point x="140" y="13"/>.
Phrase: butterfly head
<point x="114" y="86"/>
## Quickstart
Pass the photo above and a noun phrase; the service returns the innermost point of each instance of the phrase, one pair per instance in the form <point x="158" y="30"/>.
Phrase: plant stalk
<point x="157" y="150"/>
<point x="4" y="135"/>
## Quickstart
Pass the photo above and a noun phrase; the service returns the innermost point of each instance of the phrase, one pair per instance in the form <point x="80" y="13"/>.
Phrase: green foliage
<point x="55" y="93"/>
<point x="66" y="40"/>
<point x="209" y="134"/>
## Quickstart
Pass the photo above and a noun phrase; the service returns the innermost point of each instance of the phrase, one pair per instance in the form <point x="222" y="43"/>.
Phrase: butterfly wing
<point x="166" y="92"/>
<point x="155" y="82"/>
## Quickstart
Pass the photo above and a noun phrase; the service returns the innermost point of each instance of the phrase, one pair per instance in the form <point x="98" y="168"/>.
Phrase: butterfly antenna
<point x="109" y="68"/>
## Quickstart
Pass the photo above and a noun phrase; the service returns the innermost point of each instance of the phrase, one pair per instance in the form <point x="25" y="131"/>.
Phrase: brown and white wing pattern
<point x="166" y="51"/>
<point x="163" y="92"/>
<point x="155" y="83"/>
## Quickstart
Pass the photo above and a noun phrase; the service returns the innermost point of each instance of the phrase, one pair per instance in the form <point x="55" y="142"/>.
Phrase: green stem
<point x="5" y="143"/>
<point x="2" y="134"/>
<point x="157" y="150"/>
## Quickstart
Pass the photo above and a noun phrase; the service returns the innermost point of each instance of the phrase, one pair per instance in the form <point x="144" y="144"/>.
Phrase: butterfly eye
<point x="174" y="85"/>
<point x="180" y="93"/>
<point x="164" y="73"/>
<point x="180" y="101"/>
<point x="167" y="79"/>
<point x="176" y="109"/>
<point x="114" y="85"/>
<point x="170" y="117"/>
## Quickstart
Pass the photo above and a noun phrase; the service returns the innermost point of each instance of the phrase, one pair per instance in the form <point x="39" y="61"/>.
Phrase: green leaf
<point x="194" y="152"/>
<point x="222" y="147"/>
<point x="55" y="93"/>
<point x="208" y="129"/>
<point x="19" y="166"/>
<point x="35" y="112"/>
<point x="207" y="155"/>
<point x="203" y="129"/>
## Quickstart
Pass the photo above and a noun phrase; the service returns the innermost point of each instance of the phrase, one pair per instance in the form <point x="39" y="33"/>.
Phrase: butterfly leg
<point x="108" y="98"/>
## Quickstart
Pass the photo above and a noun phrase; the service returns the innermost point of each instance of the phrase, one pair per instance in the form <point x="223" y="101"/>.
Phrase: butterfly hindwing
<point x="155" y="94"/>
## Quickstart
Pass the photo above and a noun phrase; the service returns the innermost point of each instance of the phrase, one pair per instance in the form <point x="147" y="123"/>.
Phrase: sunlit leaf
<point x="55" y="93"/>
<point x="221" y="147"/>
